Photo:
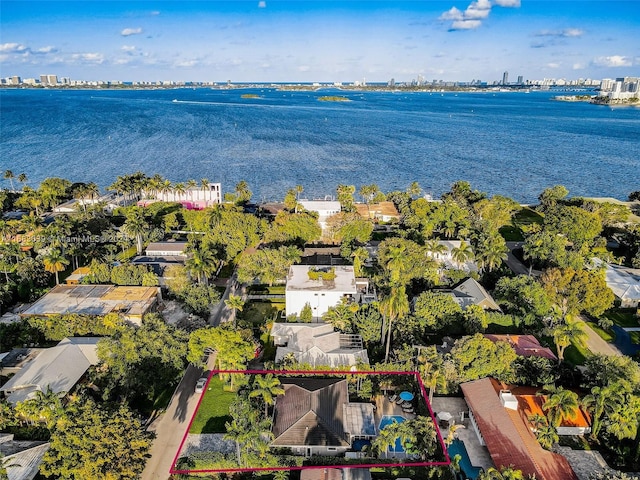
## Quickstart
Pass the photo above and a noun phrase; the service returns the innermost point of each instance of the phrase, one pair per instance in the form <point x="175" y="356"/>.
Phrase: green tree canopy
<point x="524" y="297"/>
<point x="478" y="357"/>
<point x="298" y="228"/>
<point x="267" y="265"/>
<point x="92" y="442"/>
<point x="436" y="310"/>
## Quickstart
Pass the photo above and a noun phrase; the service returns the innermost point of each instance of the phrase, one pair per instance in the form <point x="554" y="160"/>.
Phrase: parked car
<point x="200" y="385"/>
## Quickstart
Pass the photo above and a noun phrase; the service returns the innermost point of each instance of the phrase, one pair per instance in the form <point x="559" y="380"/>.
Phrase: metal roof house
<point x="58" y="368"/>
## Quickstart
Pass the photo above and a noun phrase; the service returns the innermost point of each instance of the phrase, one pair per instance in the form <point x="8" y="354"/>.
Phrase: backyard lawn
<point x="623" y="317"/>
<point x="523" y="217"/>
<point x="213" y="411"/>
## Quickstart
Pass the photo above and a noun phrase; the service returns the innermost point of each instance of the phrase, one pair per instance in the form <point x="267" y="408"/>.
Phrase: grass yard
<point x="501" y="324"/>
<point x="213" y="411"/>
<point x="259" y="313"/>
<point x="606" y="335"/>
<point x="525" y="216"/>
<point x="266" y="290"/>
<point x="635" y="337"/>
<point x="623" y="317"/>
<point x="576" y="355"/>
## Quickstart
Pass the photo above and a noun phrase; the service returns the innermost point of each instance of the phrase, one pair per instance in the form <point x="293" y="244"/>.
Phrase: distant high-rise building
<point x="49" y="79"/>
<point x="505" y="78"/>
<point x="520" y="79"/>
<point x="15" y="80"/>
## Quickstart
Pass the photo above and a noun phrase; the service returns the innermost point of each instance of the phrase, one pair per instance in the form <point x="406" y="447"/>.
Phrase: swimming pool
<point x="388" y="420"/>
<point x="457" y="448"/>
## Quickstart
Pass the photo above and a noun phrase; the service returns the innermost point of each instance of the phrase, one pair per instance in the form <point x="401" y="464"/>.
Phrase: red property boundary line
<point x="423" y="391"/>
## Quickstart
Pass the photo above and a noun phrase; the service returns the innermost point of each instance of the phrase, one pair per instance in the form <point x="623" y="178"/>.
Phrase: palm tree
<point x="359" y="256"/>
<point x="236" y="304"/>
<point x="394" y="306"/>
<point x="432" y="376"/>
<point x="22" y="178"/>
<point x="8" y="174"/>
<point x="136" y="226"/>
<point x="560" y="405"/>
<point x="602" y="401"/>
<point x="191" y="185"/>
<point x="504" y="473"/>
<point x="268" y="388"/>
<point x="201" y="263"/>
<point x="204" y="183"/>
<point x="165" y="188"/>
<point x="54" y="262"/>
<point x="491" y="252"/>
<point x="565" y="332"/>
<point x="396" y="262"/>
<point x="299" y="189"/>
<point x="462" y="254"/>
<point x="179" y="189"/>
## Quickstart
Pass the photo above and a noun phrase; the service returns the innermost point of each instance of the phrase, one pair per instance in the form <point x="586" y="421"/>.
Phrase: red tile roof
<point x="524" y="345"/>
<point x="508" y="438"/>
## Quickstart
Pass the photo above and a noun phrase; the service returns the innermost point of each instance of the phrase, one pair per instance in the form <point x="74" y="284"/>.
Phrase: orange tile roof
<point x="532" y="404"/>
<point x="507" y="436"/>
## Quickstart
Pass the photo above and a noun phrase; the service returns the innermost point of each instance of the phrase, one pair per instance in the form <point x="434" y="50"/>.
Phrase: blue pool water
<point x="388" y="420"/>
<point x="457" y="448"/>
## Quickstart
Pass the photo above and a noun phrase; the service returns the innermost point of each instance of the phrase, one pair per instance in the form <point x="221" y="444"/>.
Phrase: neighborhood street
<point x="171" y="425"/>
<point x="596" y="344"/>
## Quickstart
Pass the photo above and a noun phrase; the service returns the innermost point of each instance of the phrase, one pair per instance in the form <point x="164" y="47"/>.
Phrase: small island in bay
<point x="249" y="95"/>
<point x="333" y="98"/>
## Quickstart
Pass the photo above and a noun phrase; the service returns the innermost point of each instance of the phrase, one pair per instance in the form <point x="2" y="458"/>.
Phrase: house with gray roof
<point x="318" y="345"/>
<point x="314" y="417"/>
<point x="21" y="458"/>
<point x="58" y="368"/>
<point x="470" y="292"/>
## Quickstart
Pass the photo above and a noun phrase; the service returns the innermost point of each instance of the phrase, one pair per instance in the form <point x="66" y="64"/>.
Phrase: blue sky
<point x="323" y="41"/>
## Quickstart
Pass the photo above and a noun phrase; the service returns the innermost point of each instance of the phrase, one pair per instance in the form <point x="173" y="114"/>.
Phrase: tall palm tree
<point x="136" y="225"/>
<point x="236" y="304"/>
<point x="432" y="376"/>
<point x="560" y="405"/>
<point x="191" y="185"/>
<point x="165" y="188"/>
<point x="299" y="189"/>
<point x="268" y="388"/>
<point x="491" y="252"/>
<point x="54" y="262"/>
<point x="22" y="178"/>
<point x="359" y="256"/>
<point x="396" y="263"/>
<point x="8" y="175"/>
<point x="568" y="331"/>
<point x="201" y="263"/>
<point x="179" y="189"/>
<point x="393" y="307"/>
<point x="204" y="183"/>
<point x="434" y="246"/>
<point x="600" y="402"/>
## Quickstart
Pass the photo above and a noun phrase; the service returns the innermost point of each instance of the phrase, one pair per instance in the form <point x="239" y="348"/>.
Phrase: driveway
<point x="222" y="313"/>
<point x="171" y="425"/>
<point x="515" y="264"/>
<point x="596" y="344"/>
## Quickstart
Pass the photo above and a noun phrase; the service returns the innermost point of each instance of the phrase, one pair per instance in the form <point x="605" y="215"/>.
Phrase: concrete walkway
<point x="596" y="344"/>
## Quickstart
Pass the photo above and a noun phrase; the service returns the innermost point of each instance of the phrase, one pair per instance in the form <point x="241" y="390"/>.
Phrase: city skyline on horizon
<point x="329" y="41"/>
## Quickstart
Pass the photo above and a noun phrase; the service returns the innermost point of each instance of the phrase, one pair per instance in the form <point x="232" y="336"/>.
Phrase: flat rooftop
<point x="345" y="281"/>
<point x="94" y="300"/>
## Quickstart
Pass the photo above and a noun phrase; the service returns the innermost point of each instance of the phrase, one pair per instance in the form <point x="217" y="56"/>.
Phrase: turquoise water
<point x="388" y="420"/>
<point x="513" y="144"/>
<point x="457" y="448"/>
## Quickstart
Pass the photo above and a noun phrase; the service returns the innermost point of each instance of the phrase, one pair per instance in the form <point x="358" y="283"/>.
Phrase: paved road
<point x="516" y="265"/>
<point x="596" y="344"/>
<point x="222" y="313"/>
<point x="171" y="426"/>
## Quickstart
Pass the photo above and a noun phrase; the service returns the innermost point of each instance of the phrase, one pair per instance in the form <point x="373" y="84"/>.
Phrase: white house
<point x="324" y="209"/>
<point x="326" y="291"/>
<point x="166" y="249"/>
<point x="195" y="198"/>
<point x="446" y="257"/>
<point x="318" y="345"/>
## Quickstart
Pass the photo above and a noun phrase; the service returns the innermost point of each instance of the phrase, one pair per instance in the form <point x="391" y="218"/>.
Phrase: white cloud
<point x="612" y="61"/>
<point x="553" y="65"/>
<point x="262" y="4"/>
<point x="95" y="58"/>
<point x="304" y="68"/>
<point x="452" y="14"/>
<point x="128" y="48"/>
<point x="186" y="63"/>
<point x="131" y="31"/>
<point x="578" y="66"/>
<point x="475" y="13"/>
<point x="12" y="48"/>
<point x="465" y="24"/>
<point x="567" y="32"/>
<point x="155" y="13"/>
<point x="47" y="49"/>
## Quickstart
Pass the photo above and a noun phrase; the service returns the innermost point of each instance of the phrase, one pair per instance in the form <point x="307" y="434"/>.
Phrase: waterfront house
<point x="470" y="292"/>
<point x="625" y="284"/>
<point x="167" y="249"/>
<point x="324" y="209"/>
<point x="524" y="345"/>
<point x="383" y="211"/>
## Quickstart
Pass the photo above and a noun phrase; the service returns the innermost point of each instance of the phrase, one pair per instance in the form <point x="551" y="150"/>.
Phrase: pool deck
<point x="478" y="454"/>
<point x="385" y="407"/>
